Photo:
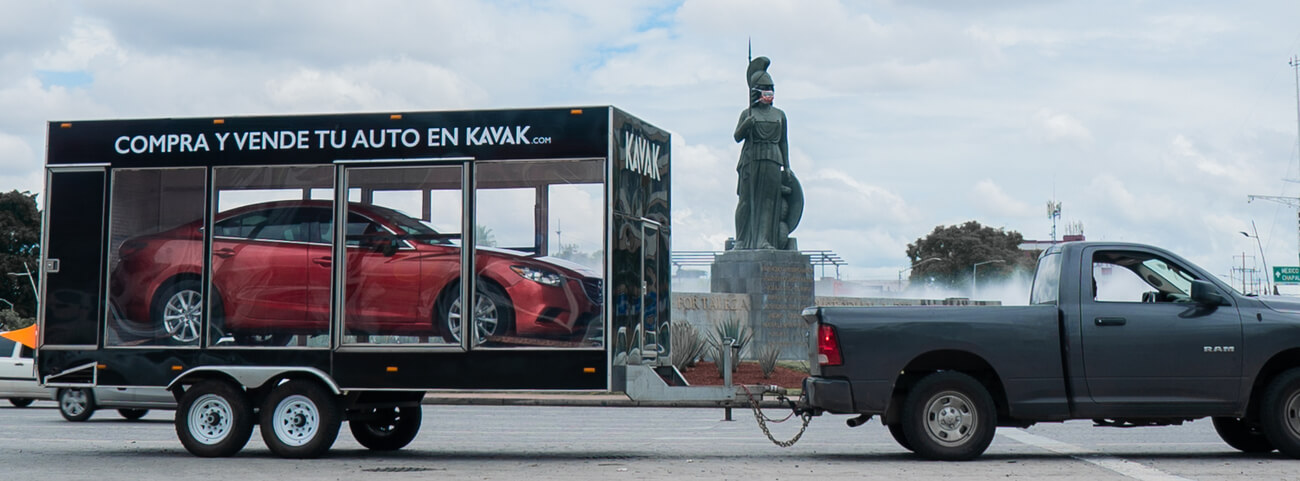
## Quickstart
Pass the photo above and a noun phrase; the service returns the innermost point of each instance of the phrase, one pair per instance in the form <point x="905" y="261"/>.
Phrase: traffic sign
<point x="1286" y="275"/>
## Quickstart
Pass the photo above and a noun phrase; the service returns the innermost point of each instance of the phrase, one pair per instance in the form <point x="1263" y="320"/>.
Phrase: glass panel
<point x="542" y="290"/>
<point x="402" y="271"/>
<point x="271" y="256"/>
<point x="156" y="257"/>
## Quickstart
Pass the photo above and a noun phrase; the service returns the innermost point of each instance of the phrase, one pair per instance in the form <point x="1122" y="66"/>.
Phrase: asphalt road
<point x="568" y="443"/>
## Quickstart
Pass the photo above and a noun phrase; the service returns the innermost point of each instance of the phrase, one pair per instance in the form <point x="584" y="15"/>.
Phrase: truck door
<point x="1146" y="344"/>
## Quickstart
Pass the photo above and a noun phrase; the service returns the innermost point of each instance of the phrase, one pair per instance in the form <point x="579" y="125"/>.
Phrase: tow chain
<point x="763" y="419"/>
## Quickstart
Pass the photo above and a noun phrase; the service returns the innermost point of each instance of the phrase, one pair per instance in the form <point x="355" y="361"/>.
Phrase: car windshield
<point x="411" y="227"/>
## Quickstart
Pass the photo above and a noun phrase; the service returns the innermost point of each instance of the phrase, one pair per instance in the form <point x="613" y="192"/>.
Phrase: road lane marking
<point x="1118" y="465"/>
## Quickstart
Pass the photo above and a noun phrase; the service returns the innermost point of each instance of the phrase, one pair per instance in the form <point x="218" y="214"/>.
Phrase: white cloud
<point x="1055" y="126"/>
<point x="990" y="197"/>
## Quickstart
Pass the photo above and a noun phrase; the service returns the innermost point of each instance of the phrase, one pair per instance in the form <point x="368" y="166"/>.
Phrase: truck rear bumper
<point x="831" y="395"/>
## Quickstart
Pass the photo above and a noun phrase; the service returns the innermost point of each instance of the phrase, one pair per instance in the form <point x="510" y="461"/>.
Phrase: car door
<point x="17" y="370"/>
<point x="383" y="278"/>
<point x="1146" y="344"/>
<point x="260" y="261"/>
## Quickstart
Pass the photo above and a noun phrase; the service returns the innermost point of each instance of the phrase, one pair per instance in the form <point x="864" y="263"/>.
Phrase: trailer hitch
<point x="796" y="409"/>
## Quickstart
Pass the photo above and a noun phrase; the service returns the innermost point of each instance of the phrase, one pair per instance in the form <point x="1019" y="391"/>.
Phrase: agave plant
<point x="767" y="357"/>
<point x="732" y="328"/>
<point x="687" y="344"/>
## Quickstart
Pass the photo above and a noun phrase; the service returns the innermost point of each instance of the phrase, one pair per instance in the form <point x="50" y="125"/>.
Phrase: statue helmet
<point x="757" y="73"/>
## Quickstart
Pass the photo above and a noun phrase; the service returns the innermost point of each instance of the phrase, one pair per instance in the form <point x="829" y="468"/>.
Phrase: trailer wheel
<point x="896" y="430"/>
<point x="133" y="414"/>
<point x="20" y="402"/>
<point x="386" y="429"/>
<point x="76" y="404"/>
<point x="949" y="416"/>
<point x="300" y="419"/>
<point x="1280" y="413"/>
<point x="1241" y="435"/>
<point x="214" y="419"/>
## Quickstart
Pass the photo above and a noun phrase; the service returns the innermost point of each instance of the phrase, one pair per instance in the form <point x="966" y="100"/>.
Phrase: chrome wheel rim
<point x="182" y="315"/>
<point x="1292" y="413"/>
<point x="486" y="318"/>
<point x="296" y="420"/>
<point x="73" y="402"/>
<point x="211" y="419"/>
<point x="950" y="418"/>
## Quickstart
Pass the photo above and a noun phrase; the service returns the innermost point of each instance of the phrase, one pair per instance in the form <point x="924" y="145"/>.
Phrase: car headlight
<point x="538" y="275"/>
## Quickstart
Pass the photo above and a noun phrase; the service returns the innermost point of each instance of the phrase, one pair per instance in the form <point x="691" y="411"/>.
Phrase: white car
<point x="18" y="384"/>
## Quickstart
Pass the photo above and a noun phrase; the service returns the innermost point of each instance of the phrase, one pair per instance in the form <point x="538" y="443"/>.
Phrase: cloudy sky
<point x="1149" y="121"/>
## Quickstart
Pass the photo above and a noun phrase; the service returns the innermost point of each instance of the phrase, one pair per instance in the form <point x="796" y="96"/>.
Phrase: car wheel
<point x="76" y="404"/>
<point x="949" y="416"/>
<point x="300" y="419"/>
<point x="214" y="419"/>
<point x="896" y="430"/>
<point x="178" y="310"/>
<point x="493" y="313"/>
<point x="1279" y="413"/>
<point x="386" y="429"/>
<point x="133" y="414"/>
<point x="20" y="402"/>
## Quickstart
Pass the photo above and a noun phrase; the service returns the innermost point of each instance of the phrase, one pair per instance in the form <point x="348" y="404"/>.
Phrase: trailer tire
<point x="1279" y="414"/>
<point x="1242" y="436"/>
<point x="300" y="419"/>
<point x="949" y="416"/>
<point x="386" y="429"/>
<point x="896" y="430"/>
<point x="76" y="404"/>
<point x="132" y="414"/>
<point x="214" y="419"/>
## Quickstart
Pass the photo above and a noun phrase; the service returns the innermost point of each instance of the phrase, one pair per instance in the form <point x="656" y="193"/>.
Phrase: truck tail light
<point x="828" y="346"/>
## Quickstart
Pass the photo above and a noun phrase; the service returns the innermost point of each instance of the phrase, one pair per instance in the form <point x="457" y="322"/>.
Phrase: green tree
<point x="483" y="236"/>
<point x="20" y="242"/>
<point x="948" y="255"/>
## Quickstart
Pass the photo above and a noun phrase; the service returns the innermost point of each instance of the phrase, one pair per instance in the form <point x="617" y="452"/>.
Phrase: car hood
<point x="554" y="261"/>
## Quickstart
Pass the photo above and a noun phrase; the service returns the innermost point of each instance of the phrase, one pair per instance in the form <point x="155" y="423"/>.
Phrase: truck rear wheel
<point x="1244" y="436"/>
<point x="214" y="419"/>
<point x="1279" y="414"/>
<point x="386" y="429"/>
<point x="300" y="419"/>
<point x="949" y="416"/>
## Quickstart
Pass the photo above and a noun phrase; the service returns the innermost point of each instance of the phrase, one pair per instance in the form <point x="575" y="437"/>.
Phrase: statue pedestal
<point x="779" y="285"/>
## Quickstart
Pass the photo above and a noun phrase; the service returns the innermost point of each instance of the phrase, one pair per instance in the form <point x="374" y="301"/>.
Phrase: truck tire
<point x="1244" y="436"/>
<point x="300" y="419"/>
<point x="949" y="416"/>
<point x="896" y="430"/>
<point x="214" y="419"/>
<point x="1279" y="414"/>
<point x="386" y="429"/>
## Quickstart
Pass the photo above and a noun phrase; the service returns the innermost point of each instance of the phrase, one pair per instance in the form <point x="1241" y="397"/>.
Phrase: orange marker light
<point x="392" y="368"/>
<point x="101" y="366"/>
<point x="218" y="121"/>
<point x="395" y="117"/>
<point x="66" y="125"/>
<point x="177" y="367"/>
<point x="575" y="112"/>
<point x="588" y="370"/>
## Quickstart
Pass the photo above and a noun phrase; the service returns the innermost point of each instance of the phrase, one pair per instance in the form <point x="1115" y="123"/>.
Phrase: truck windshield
<point x="1047" y="280"/>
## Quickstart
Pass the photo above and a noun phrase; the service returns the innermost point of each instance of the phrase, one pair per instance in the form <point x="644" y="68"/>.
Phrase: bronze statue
<point x="771" y="200"/>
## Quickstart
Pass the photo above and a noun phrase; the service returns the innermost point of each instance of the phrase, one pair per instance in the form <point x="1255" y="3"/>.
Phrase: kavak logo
<point x="640" y="155"/>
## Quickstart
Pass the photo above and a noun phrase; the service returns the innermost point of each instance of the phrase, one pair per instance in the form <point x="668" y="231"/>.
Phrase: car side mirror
<point x="1204" y="293"/>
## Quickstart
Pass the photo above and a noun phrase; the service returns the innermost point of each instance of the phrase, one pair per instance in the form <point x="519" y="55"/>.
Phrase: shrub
<point x="732" y="328"/>
<point x="687" y="344"/>
<point x="767" y="357"/>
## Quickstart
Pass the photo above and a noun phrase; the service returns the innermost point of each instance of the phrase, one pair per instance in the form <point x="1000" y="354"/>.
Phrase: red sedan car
<point x="272" y="264"/>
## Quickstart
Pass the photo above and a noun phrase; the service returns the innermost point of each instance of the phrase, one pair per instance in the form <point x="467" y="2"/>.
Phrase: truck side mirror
<point x="1206" y="294"/>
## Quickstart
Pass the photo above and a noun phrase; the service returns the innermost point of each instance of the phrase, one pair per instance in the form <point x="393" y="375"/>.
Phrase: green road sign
<point x="1286" y="275"/>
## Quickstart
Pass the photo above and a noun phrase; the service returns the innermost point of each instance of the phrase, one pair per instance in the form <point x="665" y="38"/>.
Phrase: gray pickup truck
<point x="1124" y="334"/>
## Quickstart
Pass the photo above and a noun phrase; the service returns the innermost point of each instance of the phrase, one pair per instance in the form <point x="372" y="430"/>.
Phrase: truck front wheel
<point x="949" y="416"/>
<point x="1242" y="435"/>
<point x="1280" y="413"/>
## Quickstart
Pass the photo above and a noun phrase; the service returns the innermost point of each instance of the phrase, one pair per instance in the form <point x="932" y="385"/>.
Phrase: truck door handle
<point x="1111" y="321"/>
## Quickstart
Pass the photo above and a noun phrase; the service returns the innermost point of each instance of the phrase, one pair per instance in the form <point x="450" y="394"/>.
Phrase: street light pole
<point x="974" y="271"/>
<point x="900" y="273"/>
<point x="35" y="293"/>
<point x="1267" y="274"/>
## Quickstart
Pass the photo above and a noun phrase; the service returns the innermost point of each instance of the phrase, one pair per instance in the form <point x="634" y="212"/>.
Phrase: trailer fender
<point x="253" y="376"/>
